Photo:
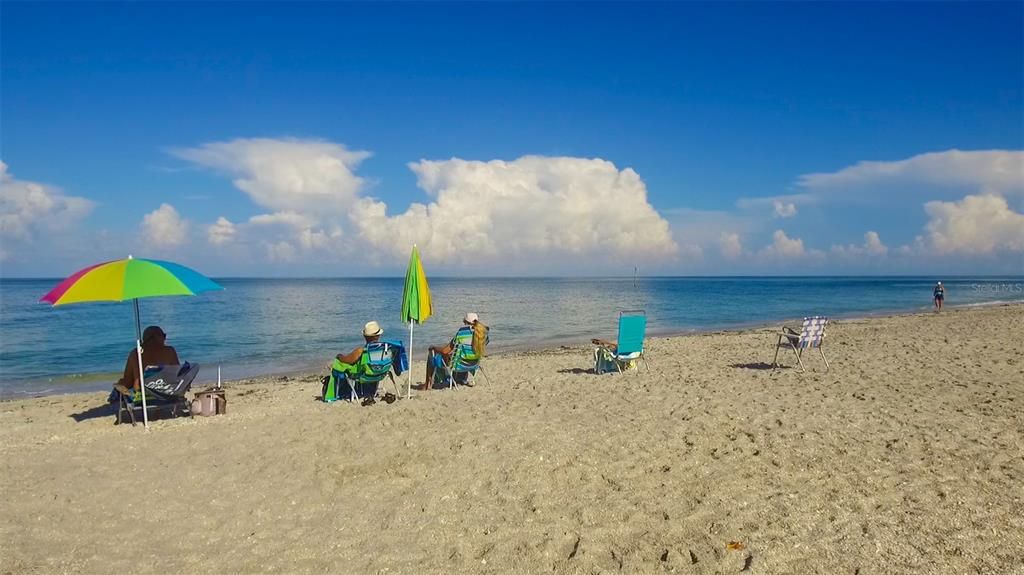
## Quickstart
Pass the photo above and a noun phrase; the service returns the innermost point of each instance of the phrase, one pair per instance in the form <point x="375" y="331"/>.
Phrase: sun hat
<point x="471" y="318"/>
<point x="371" y="329"/>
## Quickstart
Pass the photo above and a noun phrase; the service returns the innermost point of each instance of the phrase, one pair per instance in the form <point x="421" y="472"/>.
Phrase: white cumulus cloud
<point x="730" y="245"/>
<point x="872" y="246"/>
<point x="221" y="232"/>
<point x="280" y="252"/>
<point x="532" y="206"/>
<point x="287" y="219"/>
<point x="784" y="247"/>
<point x="977" y="224"/>
<point x="532" y="209"/>
<point x="993" y="171"/>
<point x="164" y="227"/>
<point x="286" y="174"/>
<point x="784" y="209"/>
<point x="27" y="207"/>
<point x="999" y="172"/>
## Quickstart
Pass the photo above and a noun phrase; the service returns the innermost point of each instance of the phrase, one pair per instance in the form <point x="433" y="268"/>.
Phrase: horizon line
<point x="580" y="277"/>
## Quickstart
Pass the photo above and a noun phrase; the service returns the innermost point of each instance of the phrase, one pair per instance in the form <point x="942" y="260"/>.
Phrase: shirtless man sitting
<point x="155" y="351"/>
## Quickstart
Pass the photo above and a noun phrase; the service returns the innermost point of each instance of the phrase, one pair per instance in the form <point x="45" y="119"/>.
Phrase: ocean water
<point x="261" y="326"/>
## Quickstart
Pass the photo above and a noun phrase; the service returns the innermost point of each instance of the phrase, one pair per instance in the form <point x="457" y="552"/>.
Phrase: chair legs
<point x="779" y="345"/>
<point x="480" y="368"/>
<point x="618" y="363"/>
<point x="394" y="384"/>
<point x="176" y="408"/>
<point x="123" y="405"/>
<point x="798" y="353"/>
<point x="450" y="375"/>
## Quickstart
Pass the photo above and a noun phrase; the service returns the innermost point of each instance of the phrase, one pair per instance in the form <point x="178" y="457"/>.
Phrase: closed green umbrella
<point x="416" y="306"/>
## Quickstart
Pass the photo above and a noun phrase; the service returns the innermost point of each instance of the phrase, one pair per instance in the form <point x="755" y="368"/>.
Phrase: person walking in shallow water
<point x="938" y="294"/>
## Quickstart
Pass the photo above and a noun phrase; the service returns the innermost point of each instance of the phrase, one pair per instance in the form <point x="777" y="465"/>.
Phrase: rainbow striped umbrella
<point x="129" y="279"/>
<point x="416" y="305"/>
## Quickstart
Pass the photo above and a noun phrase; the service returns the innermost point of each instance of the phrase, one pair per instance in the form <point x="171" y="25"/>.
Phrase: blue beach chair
<point x="629" y="345"/>
<point x="165" y="387"/>
<point x="461" y="367"/>
<point x="362" y="380"/>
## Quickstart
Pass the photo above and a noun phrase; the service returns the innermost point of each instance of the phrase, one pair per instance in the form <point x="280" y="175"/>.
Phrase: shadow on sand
<point x="577" y="371"/>
<point x="758" y="365"/>
<point x="100" y="411"/>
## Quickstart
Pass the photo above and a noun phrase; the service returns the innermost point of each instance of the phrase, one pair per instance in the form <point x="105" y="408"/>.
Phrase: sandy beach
<point x="906" y="457"/>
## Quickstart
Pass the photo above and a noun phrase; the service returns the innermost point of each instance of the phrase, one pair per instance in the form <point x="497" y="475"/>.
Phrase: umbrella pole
<point x="138" y="354"/>
<point x="138" y="320"/>
<point x="408" y="387"/>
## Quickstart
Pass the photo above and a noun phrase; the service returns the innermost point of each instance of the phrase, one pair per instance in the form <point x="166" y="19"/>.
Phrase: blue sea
<point x="272" y="326"/>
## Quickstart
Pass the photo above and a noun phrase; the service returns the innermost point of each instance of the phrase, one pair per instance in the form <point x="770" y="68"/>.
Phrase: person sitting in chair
<point x="155" y="351"/>
<point x="371" y="333"/>
<point x="440" y="356"/>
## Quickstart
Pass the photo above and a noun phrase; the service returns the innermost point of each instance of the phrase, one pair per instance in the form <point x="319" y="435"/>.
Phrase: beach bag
<point x="605" y="362"/>
<point x="211" y="401"/>
<point x="480" y="339"/>
<point x="327" y="392"/>
<point x="330" y="385"/>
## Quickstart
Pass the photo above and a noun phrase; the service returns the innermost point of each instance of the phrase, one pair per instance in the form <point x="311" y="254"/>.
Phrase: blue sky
<point x="544" y="138"/>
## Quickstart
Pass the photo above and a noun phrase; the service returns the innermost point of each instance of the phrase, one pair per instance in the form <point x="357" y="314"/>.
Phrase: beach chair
<point x="811" y="334"/>
<point x="165" y="388"/>
<point x="375" y="365"/>
<point x="629" y="345"/>
<point x="461" y="367"/>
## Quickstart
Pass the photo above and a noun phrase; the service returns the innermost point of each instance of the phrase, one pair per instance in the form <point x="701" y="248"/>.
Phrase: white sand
<point x="907" y="457"/>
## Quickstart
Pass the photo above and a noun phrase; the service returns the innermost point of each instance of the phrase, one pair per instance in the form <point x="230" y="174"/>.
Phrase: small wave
<point x="990" y="303"/>
<point x="34" y="392"/>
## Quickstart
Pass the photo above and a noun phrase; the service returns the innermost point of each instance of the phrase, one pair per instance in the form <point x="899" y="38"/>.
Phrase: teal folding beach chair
<point x="629" y="345"/>
<point x="375" y="365"/>
<point x="464" y="363"/>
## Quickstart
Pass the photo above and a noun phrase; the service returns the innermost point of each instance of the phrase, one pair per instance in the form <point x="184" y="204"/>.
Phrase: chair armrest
<point x="790" y="337"/>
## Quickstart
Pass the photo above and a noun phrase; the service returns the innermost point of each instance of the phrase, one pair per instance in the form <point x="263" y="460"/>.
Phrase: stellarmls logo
<point x="1009" y="288"/>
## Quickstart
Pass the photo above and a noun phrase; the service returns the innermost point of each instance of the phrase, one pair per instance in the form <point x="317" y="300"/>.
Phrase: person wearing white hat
<point x="938" y="294"/>
<point x="438" y="356"/>
<point x="371" y="333"/>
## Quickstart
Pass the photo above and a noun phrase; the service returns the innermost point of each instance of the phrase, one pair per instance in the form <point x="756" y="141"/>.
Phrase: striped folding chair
<point x="811" y="334"/>
<point x="375" y="365"/>
<point x="461" y="367"/>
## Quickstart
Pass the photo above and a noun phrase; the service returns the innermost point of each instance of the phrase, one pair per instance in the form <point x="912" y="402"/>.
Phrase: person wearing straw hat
<point x="439" y="356"/>
<point x="371" y="333"/>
